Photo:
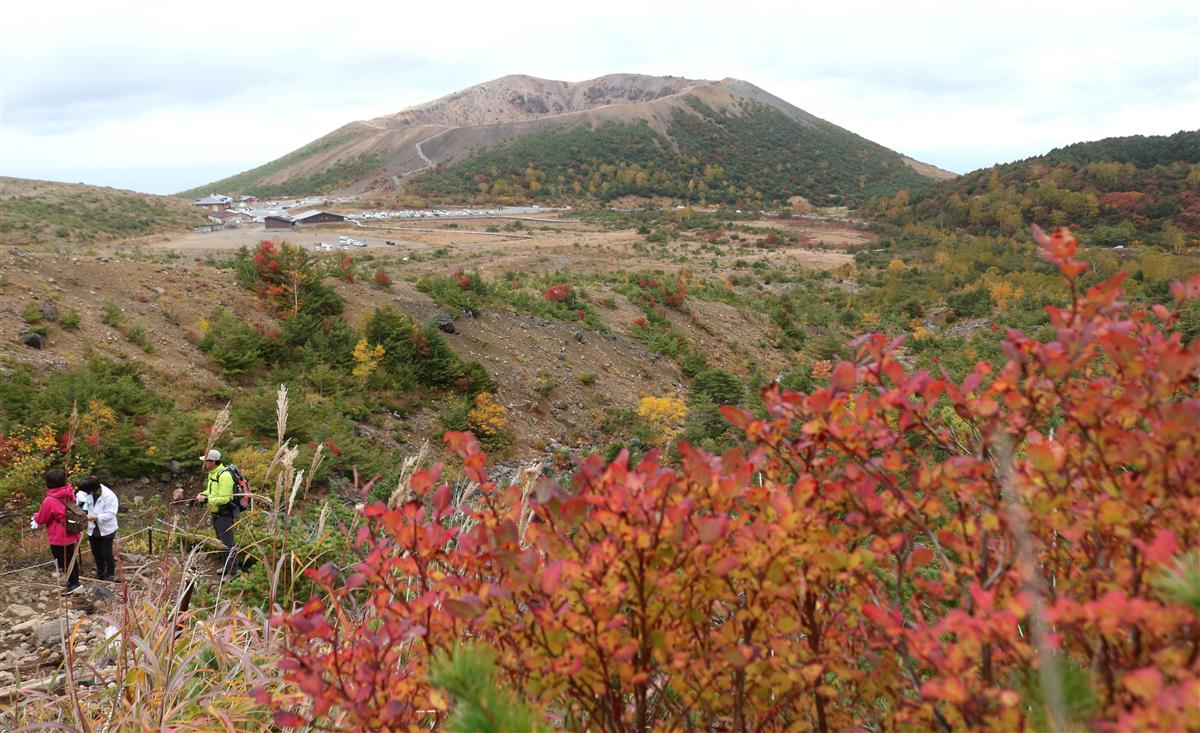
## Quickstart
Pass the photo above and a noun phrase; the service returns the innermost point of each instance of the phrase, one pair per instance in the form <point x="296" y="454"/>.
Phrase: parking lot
<point x="250" y="235"/>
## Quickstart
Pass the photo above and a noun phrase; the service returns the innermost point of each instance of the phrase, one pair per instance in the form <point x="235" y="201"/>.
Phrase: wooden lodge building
<point x="303" y="219"/>
<point x="316" y="216"/>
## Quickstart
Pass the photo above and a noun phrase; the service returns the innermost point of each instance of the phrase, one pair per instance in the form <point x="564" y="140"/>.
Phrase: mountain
<point x="524" y="138"/>
<point x="49" y="212"/>
<point x="1115" y="191"/>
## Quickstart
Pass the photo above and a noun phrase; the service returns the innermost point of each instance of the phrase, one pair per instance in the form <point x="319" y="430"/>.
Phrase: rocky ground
<point x="37" y="623"/>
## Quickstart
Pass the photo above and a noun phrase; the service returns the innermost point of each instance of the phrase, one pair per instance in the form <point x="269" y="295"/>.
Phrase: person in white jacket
<point x="101" y="505"/>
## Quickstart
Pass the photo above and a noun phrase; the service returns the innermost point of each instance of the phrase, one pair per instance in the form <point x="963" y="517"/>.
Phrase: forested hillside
<point x="953" y="267"/>
<point x="1118" y="191"/>
<point x="757" y="155"/>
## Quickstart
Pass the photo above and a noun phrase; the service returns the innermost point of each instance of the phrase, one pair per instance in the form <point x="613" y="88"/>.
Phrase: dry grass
<point x="173" y="667"/>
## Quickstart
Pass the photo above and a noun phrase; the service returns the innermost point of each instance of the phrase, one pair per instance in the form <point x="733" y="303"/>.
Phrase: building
<point x="215" y="202"/>
<point x="247" y="201"/>
<point x="230" y="218"/>
<point x="280" y="222"/>
<point x="316" y="216"/>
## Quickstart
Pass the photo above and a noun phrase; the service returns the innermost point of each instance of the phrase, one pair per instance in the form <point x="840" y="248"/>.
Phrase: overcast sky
<point x="164" y="96"/>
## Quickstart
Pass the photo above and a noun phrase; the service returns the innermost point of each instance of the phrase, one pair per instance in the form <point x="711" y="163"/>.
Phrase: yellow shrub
<point x="253" y="463"/>
<point x="488" y="418"/>
<point x="366" y="359"/>
<point x="45" y="439"/>
<point x="1004" y="293"/>
<point x="666" y="414"/>
<point x="98" y="418"/>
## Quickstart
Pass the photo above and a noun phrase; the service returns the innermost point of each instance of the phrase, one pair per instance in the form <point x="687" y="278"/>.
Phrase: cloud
<point x="107" y="86"/>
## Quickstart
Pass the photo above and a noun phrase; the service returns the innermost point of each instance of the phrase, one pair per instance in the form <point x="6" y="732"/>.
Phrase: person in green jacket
<point x="218" y="495"/>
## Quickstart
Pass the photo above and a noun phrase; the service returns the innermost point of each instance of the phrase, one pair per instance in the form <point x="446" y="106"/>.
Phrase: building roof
<point x="314" y="212"/>
<point x="213" y="198"/>
<point x="228" y="214"/>
<point x="281" y="217"/>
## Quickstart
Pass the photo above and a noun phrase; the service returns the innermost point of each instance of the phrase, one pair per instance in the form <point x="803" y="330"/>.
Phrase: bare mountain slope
<point x="520" y="98"/>
<point x="387" y="150"/>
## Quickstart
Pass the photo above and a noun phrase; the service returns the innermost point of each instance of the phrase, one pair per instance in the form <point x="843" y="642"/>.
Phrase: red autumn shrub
<point x="557" y="293"/>
<point x="382" y="279"/>
<point x="892" y="551"/>
<point x="652" y="291"/>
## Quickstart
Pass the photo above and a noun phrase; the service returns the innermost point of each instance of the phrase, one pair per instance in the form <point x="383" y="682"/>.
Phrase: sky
<point x="160" y="97"/>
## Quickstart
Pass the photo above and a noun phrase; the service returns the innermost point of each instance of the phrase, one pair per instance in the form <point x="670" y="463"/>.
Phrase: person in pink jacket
<point x="53" y="515"/>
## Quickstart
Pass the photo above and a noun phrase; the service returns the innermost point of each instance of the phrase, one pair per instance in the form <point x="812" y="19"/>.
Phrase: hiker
<point x="101" y="505"/>
<point x="218" y="495"/>
<point x="53" y="516"/>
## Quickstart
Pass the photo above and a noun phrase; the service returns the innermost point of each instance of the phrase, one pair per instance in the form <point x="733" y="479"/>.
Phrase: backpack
<point x="242" y="500"/>
<point x="75" y="520"/>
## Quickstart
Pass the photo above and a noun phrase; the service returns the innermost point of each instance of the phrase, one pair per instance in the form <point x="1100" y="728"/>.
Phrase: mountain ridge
<point x="388" y="150"/>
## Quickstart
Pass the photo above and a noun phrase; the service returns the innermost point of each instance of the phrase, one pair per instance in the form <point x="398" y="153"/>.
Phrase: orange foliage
<point x="894" y="551"/>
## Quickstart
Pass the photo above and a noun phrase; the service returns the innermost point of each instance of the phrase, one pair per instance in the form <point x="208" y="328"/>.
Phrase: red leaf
<point x="259" y="694"/>
<point x="551" y="577"/>
<point x="921" y="556"/>
<point x="288" y="719"/>
<point x="736" y="416"/>
<point x="713" y="527"/>
<point x="1144" y="683"/>
<point x="441" y="499"/>
<point x="1162" y="548"/>
<point x="725" y="565"/>
<point x="467" y="607"/>
<point x="843" y="377"/>
<point x="422" y="481"/>
<point x="878" y="615"/>
<point x="1187" y="289"/>
<point x="983" y="598"/>
<point x="464" y="444"/>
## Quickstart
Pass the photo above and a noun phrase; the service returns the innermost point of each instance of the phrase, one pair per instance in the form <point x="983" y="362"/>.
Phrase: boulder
<point x="50" y="632"/>
<point x="50" y="312"/>
<point x="445" y="323"/>
<point x="32" y="340"/>
<point x="24" y="626"/>
<point x="17" y="610"/>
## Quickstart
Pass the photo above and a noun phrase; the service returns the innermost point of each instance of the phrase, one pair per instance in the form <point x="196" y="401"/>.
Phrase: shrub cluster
<point x="897" y="550"/>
